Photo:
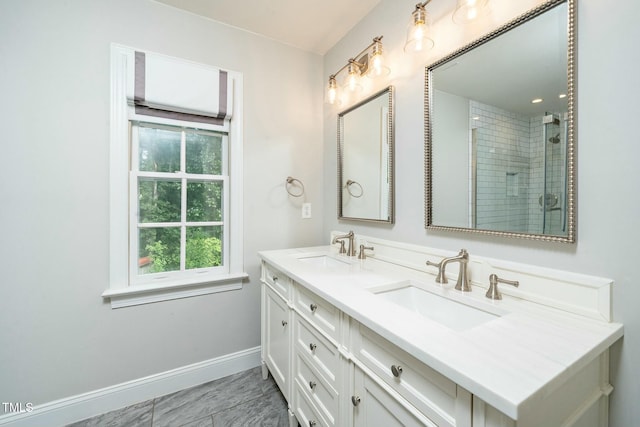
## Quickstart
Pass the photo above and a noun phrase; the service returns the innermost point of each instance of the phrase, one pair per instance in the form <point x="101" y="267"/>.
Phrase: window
<point x="176" y="202"/>
<point x="177" y="189"/>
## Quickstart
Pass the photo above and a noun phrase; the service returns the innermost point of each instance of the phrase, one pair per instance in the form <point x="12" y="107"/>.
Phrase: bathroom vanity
<point x="377" y="342"/>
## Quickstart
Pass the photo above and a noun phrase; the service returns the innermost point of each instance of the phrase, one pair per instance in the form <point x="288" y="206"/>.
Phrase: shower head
<point x="555" y="139"/>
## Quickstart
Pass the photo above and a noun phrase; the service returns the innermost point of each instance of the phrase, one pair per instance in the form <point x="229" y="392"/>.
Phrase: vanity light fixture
<point x="418" y="39"/>
<point x="377" y="67"/>
<point x="468" y="10"/>
<point x="332" y="90"/>
<point x="369" y="62"/>
<point x="351" y="82"/>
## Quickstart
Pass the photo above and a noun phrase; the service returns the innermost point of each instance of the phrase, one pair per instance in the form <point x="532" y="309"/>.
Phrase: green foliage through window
<point x="194" y="227"/>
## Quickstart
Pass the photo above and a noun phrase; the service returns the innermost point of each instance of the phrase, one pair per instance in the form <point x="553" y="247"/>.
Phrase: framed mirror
<point x="365" y="159"/>
<point x="499" y="131"/>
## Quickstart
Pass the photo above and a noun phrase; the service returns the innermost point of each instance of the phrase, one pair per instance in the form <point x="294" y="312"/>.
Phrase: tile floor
<point x="239" y="400"/>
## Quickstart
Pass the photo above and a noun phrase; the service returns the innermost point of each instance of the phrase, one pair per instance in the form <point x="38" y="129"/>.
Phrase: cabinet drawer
<point x="430" y="392"/>
<point x="322" y="394"/>
<point x="320" y="351"/>
<point x="320" y="313"/>
<point x="374" y="406"/>
<point x="305" y="412"/>
<point x="277" y="280"/>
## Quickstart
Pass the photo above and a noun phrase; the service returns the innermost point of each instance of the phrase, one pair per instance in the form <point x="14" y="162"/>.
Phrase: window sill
<point x="145" y="294"/>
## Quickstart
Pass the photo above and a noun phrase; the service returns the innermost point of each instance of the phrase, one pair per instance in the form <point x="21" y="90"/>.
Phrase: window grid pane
<point x="204" y="201"/>
<point x="159" y="200"/>
<point x="203" y="153"/>
<point x="159" y="149"/>
<point x="162" y="200"/>
<point x="159" y="250"/>
<point x="203" y="247"/>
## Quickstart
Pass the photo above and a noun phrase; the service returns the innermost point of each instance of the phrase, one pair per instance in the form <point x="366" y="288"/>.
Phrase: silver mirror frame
<point x="390" y="167"/>
<point x="571" y="144"/>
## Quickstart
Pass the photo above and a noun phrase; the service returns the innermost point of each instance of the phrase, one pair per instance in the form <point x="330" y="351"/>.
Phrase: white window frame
<point x="123" y="291"/>
<point x="183" y="177"/>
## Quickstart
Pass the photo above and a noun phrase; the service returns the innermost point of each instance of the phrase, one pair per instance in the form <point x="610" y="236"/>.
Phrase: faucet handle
<point x="493" y="292"/>
<point x="440" y="278"/>
<point x="342" y="249"/>
<point x="362" y="254"/>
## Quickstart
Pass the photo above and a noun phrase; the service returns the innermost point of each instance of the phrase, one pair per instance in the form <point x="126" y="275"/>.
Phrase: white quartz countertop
<point x="510" y="362"/>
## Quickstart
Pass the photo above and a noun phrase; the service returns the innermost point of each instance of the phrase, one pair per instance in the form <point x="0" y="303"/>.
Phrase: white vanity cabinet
<point x="374" y="406"/>
<point x="437" y="398"/>
<point x="580" y="401"/>
<point x="334" y="372"/>
<point x="344" y="358"/>
<point x="276" y="328"/>
<point x="277" y="339"/>
<point x="300" y="349"/>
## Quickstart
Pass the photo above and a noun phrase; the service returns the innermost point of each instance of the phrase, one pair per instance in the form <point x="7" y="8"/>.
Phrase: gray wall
<point x="607" y="154"/>
<point x="58" y="338"/>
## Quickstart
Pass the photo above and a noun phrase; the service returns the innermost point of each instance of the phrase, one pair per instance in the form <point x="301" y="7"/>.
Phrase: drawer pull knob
<point x="312" y="385"/>
<point x="284" y="323"/>
<point x="396" y="370"/>
<point x="312" y="346"/>
<point x="355" y="400"/>
<point x="312" y="423"/>
<point x="313" y="307"/>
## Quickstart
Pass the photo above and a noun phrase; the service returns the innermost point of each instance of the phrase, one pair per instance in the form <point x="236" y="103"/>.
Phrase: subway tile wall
<point x="510" y="171"/>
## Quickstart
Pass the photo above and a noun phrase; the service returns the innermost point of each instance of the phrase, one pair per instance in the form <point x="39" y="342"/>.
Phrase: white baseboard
<point x="75" y="408"/>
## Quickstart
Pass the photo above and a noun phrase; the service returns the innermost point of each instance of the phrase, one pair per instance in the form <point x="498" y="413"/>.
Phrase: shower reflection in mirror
<point x="518" y="170"/>
<point x="499" y="140"/>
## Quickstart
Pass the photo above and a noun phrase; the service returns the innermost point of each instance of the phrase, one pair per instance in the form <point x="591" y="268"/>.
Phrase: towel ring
<point x="351" y="182"/>
<point x="290" y="182"/>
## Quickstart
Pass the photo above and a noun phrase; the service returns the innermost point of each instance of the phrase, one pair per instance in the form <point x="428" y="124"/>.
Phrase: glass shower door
<point x="552" y="201"/>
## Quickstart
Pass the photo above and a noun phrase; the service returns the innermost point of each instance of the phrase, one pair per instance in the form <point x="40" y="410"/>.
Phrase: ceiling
<point x="314" y="26"/>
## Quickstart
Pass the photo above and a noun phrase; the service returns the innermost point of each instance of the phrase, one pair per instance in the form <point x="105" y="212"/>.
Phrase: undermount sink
<point x="449" y="313"/>
<point x="324" y="261"/>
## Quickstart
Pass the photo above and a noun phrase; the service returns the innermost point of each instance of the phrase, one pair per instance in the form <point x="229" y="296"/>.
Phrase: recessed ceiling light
<point x="562" y="95"/>
<point x="536" y="101"/>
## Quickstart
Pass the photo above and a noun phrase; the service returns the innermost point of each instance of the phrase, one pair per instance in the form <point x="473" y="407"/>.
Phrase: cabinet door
<point x="277" y="339"/>
<point x="375" y="407"/>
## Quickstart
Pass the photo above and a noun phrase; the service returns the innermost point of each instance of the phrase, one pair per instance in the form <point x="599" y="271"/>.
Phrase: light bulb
<point x="472" y="13"/>
<point x="352" y="77"/>
<point x="419" y="31"/>
<point x="332" y="96"/>
<point x="332" y="90"/>
<point x="468" y="10"/>
<point x="377" y="65"/>
<point x="417" y="34"/>
<point x="376" y="61"/>
<point x="352" y="82"/>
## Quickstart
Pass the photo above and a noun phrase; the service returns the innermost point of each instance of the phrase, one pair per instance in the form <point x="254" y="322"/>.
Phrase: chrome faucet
<point x="351" y="249"/>
<point x="463" y="278"/>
